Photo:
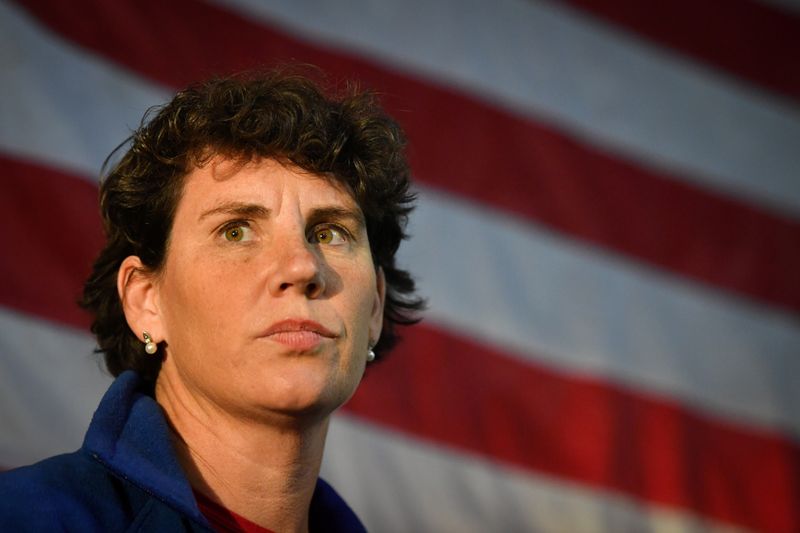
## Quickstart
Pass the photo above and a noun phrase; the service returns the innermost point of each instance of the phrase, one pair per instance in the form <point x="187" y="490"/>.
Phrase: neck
<point x="264" y="467"/>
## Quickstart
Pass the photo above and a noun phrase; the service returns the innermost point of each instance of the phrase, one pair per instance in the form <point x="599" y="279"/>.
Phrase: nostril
<point x="310" y="288"/>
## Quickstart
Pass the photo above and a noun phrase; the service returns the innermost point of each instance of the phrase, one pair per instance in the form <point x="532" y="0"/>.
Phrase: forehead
<point x="265" y="181"/>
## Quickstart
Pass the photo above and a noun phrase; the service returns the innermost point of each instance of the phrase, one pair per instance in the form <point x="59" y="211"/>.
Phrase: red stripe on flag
<point x="51" y="234"/>
<point x="453" y="391"/>
<point x="478" y="151"/>
<point x="752" y="40"/>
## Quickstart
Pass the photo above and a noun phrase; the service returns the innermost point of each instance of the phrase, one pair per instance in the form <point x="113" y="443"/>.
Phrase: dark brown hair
<point x="275" y="114"/>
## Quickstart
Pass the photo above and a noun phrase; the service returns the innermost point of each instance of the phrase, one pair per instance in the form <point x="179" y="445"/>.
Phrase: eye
<point x="237" y="233"/>
<point x="329" y="235"/>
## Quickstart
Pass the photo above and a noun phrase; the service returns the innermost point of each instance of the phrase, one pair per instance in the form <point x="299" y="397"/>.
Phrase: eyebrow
<point x="319" y="214"/>
<point x="259" y="211"/>
<point x="237" y="208"/>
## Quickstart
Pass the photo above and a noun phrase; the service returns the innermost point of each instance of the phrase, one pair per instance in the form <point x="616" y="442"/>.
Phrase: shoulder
<point x="69" y="492"/>
<point x="62" y="474"/>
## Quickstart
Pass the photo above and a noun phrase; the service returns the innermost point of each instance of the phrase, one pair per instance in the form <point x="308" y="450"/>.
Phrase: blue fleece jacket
<point x="126" y="477"/>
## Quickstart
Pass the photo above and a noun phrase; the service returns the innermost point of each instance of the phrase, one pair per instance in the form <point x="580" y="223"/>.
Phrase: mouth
<point x="297" y="334"/>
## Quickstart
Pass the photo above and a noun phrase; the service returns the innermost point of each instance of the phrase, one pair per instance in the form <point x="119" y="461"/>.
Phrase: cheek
<point x="199" y="299"/>
<point x="361" y="301"/>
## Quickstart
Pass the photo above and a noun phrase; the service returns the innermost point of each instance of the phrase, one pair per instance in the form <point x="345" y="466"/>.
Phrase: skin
<point x="252" y="246"/>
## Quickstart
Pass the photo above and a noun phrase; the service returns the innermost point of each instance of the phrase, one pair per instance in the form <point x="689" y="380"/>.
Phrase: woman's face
<point x="269" y="298"/>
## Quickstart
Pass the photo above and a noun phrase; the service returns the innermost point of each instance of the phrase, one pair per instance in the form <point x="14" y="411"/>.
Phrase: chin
<point x="305" y="393"/>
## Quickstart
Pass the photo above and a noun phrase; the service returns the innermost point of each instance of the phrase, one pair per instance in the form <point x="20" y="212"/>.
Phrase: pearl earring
<point x="370" y="355"/>
<point x="150" y="347"/>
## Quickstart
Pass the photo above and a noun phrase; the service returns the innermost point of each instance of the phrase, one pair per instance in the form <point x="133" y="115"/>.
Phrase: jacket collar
<point x="129" y="435"/>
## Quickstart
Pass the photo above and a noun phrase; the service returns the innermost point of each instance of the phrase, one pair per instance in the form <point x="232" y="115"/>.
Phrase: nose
<point x="297" y="268"/>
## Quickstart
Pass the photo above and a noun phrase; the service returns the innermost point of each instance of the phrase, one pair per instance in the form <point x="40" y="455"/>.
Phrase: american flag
<point x="608" y="235"/>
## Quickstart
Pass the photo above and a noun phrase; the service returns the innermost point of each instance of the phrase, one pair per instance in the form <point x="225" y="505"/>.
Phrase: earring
<point x="370" y="355"/>
<point x="150" y="347"/>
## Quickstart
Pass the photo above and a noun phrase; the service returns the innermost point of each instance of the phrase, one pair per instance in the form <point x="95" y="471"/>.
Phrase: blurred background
<point x="608" y="234"/>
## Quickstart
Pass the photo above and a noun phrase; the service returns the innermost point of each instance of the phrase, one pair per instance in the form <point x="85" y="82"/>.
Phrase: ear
<point x="376" y="319"/>
<point x="139" y="296"/>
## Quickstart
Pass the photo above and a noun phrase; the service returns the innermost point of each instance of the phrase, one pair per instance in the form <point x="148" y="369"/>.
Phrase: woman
<point x="248" y="278"/>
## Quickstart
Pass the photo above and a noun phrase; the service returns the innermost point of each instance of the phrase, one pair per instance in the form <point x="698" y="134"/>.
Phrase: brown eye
<point x="324" y="236"/>
<point x="329" y="235"/>
<point x="236" y="233"/>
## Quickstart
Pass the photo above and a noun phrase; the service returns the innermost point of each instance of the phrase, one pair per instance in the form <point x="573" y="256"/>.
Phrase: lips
<point x="299" y="334"/>
<point x="295" y="325"/>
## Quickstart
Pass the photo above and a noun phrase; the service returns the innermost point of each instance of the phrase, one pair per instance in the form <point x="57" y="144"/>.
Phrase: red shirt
<point x="224" y="520"/>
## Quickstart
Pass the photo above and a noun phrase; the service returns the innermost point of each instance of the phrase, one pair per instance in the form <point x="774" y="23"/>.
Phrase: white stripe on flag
<point x="61" y="105"/>
<point x="50" y="384"/>
<point x="555" y="64"/>
<point x="436" y="489"/>
<point x="548" y="299"/>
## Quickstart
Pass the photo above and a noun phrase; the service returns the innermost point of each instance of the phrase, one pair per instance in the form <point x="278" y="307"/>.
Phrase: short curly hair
<point x="275" y="114"/>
